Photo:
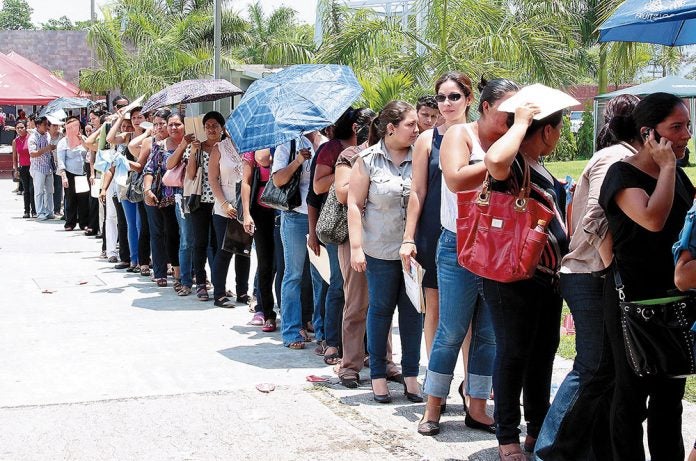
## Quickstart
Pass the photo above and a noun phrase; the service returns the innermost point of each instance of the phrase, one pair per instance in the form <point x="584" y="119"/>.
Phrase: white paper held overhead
<point x="548" y="99"/>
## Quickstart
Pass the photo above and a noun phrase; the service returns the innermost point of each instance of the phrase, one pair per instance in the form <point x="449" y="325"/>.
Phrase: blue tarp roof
<point x="682" y="87"/>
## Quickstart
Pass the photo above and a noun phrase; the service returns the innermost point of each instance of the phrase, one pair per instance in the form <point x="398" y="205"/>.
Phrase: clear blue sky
<point x="78" y="10"/>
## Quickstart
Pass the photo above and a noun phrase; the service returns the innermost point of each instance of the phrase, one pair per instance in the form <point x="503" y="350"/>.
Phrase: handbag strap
<point x="522" y="196"/>
<point x="619" y="283"/>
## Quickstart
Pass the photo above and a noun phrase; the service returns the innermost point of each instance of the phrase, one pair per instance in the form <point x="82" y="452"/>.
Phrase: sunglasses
<point x="452" y="97"/>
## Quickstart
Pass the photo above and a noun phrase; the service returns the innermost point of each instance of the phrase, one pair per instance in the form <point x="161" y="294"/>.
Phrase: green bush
<point x="584" y="136"/>
<point x="566" y="149"/>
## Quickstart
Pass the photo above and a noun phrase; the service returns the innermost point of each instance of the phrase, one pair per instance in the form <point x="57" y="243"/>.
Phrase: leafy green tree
<point x="62" y="23"/>
<point x="566" y="149"/>
<point x="16" y="15"/>
<point x="585" y="136"/>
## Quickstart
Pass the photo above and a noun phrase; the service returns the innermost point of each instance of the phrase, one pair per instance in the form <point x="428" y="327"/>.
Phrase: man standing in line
<point x="55" y="136"/>
<point x="41" y="169"/>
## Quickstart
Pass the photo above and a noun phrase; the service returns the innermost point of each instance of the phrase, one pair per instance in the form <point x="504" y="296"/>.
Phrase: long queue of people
<point x="397" y="172"/>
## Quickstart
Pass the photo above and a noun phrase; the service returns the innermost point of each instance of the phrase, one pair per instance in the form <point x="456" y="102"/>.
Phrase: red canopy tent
<point x="19" y="86"/>
<point x="44" y="74"/>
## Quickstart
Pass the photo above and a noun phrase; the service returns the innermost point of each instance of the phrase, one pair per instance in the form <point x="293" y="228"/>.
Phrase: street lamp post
<point x="217" y="44"/>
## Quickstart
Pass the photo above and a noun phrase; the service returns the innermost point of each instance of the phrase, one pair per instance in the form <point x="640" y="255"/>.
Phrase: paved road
<point x="108" y="366"/>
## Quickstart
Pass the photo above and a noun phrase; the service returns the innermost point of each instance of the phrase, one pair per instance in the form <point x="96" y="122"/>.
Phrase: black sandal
<point x="223" y="302"/>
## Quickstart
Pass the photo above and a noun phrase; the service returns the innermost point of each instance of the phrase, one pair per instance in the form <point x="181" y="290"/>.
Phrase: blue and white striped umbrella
<point x="296" y="100"/>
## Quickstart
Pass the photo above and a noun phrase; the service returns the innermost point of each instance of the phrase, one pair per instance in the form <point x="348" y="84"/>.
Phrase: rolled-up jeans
<point x="386" y="291"/>
<point x="460" y="305"/>
<point x="577" y="424"/>
<point x="334" y="300"/>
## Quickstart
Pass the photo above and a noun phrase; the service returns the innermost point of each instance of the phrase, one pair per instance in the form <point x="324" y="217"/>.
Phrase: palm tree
<point x="144" y="45"/>
<point x="489" y="37"/>
<point x="277" y="38"/>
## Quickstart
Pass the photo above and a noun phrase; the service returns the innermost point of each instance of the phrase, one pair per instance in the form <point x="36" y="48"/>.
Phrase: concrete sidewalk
<point x="101" y="364"/>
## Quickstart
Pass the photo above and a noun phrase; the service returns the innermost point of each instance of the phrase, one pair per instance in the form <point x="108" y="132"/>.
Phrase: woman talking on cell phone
<point x="645" y="198"/>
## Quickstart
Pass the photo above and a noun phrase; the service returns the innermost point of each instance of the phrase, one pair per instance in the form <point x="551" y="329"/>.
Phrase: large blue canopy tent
<point x="679" y="86"/>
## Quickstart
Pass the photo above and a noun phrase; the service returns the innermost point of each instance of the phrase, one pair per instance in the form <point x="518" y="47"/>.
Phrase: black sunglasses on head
<point x="452" y="97"/>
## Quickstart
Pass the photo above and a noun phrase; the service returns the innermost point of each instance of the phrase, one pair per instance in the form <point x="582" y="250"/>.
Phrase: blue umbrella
<point x="296" y="100"/>
<point x="65" y="103"/>
<point x="671" y="23"/>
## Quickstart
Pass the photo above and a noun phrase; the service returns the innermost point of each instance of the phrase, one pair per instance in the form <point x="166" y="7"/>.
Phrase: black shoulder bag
<point x="658" y="333"/>
<point x="287" y="196"/>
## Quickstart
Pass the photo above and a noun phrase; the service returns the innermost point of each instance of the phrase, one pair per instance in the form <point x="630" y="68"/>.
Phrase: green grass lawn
<point x="574" y="169"/>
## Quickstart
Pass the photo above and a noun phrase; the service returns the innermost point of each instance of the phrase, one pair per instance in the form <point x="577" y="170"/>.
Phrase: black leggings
<point x="202" y="221"/>
<point x="144" y="237"/>
<point x="28" y="189"/>
<point x="76" y="205"/>
<point x="265" y="247"/>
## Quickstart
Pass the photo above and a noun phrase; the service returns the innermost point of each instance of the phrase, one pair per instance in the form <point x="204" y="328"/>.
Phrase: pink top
<point x="22" y="146"/>
<point x="265" y="174"/>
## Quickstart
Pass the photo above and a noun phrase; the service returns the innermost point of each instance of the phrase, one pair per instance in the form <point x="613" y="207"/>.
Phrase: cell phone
<point x="646" y="134"/>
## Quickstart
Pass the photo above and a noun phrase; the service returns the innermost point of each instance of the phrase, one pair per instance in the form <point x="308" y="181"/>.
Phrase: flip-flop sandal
<point x="296" y="345"/>
<point x="321" y="348"/>
<point x="333" y="358"/>
<point x="184" y="291"/>
<point x="145" y="271"/>
<point x="177" y="285"/>
<point x="161" y="282"/>
<point x="202" y="293"/>
<point x="305" y="336"/>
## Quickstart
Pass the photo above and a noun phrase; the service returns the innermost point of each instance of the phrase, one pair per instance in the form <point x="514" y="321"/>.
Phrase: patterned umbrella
<point x="65" y="103"/>
<point x="189" y="91"/>
<point x="281" y="107"/>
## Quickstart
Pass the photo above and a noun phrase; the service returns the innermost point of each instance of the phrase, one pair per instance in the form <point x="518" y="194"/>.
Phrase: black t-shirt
<point x="644" y="258"/>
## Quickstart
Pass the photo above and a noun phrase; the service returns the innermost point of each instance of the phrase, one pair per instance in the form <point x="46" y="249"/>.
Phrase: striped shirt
<point x="43" y="163"/>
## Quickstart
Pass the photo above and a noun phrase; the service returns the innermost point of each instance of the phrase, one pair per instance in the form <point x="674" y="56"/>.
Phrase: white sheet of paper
<point x="96" y="188"/>
<point x="134" y="104"/>
<point x="321" y="262"/>
<point x="548" y="99"/>
<point x="413" y="280"/>
<point x="81" y="184"/>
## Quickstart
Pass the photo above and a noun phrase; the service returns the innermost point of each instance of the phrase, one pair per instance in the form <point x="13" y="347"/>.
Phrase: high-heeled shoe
<point x="415" y="398"/>
<point x="471" y="423"/>
<point x="381" y="398"/>
<point x="428" y="428"/>
<point x="461" y="393"/>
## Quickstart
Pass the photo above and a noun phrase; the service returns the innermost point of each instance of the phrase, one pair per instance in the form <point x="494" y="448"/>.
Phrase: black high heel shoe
<point x="471" y="423"/>
<point x="415" y="398"/>
<point x="461" y="393"/>
<point x="428" y="428"/>
<point x="381" y="398"/>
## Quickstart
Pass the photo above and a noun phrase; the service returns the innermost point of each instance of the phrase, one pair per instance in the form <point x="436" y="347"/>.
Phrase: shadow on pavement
<point x="272" y="355"/>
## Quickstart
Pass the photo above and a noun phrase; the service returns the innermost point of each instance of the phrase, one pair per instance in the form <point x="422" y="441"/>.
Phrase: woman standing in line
<point x="380" y="185"/>
<point x="202" y="217"/>
<point x="224" y="172"/>
<point x="461" y="306"/>
<point x="71" y="164"/>
<point x="645" y="198"/>
<point x="21" y="163"/>
<point x="159" y="202"/>
<point x="527" y="313"/>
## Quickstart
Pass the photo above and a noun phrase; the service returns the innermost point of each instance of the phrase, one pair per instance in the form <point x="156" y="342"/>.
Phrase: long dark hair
<point x="362" y="117"/>
<point x="218" y="117"/>
<point x="618" y="123"/>
<point x="653" y="109"/>
<point x="394" y="112"/>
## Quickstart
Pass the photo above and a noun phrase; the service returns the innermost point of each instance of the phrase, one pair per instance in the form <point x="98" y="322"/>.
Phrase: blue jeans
<point x="460" y="304"/>
<point x="526" y="319"/>
<point x="319" y="290"/>
<point x="333" y="312"/>
<point x="134" y="226"/>
<point x="386" y="290"/>
<point x="185" y="244"/>
<point x="43" y="194"/>
<point x="293" y="231"/>
<point x="577" y="424"/>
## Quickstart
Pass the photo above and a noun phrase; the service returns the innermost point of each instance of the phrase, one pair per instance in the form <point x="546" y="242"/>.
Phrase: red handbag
<point x="501" y="236"/>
